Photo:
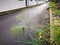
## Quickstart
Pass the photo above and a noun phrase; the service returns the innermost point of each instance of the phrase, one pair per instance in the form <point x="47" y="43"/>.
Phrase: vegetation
<point x="56" y="1"/>
<point x="52" y="6"/>
<point x="57" y="34"/>
<point x="55" y="8"/>
<point x="42" y="35"/>
<point x="15" y="30"/>
<point x="57" y="12"/>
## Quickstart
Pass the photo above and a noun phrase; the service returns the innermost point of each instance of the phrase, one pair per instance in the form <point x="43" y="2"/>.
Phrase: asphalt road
<point x="30" y="17"/>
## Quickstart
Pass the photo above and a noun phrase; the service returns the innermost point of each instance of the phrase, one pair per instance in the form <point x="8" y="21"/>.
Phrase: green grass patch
<point x="57" y="12"/>
<point x="57" y="33"/>
<point x="52" y="6"/>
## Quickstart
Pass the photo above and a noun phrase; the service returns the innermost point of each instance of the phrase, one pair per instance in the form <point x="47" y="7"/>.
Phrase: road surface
<point x="30" y="17"/>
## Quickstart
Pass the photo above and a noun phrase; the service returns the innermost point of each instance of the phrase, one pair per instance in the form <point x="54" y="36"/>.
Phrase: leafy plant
<point x="57" y="33"/>
<point x="38" y="40"/>
<point x="43" y="34"/>
<point x="57" y="12"/>
<point x="52" y="6"/>
<point x="56" y="1"/>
